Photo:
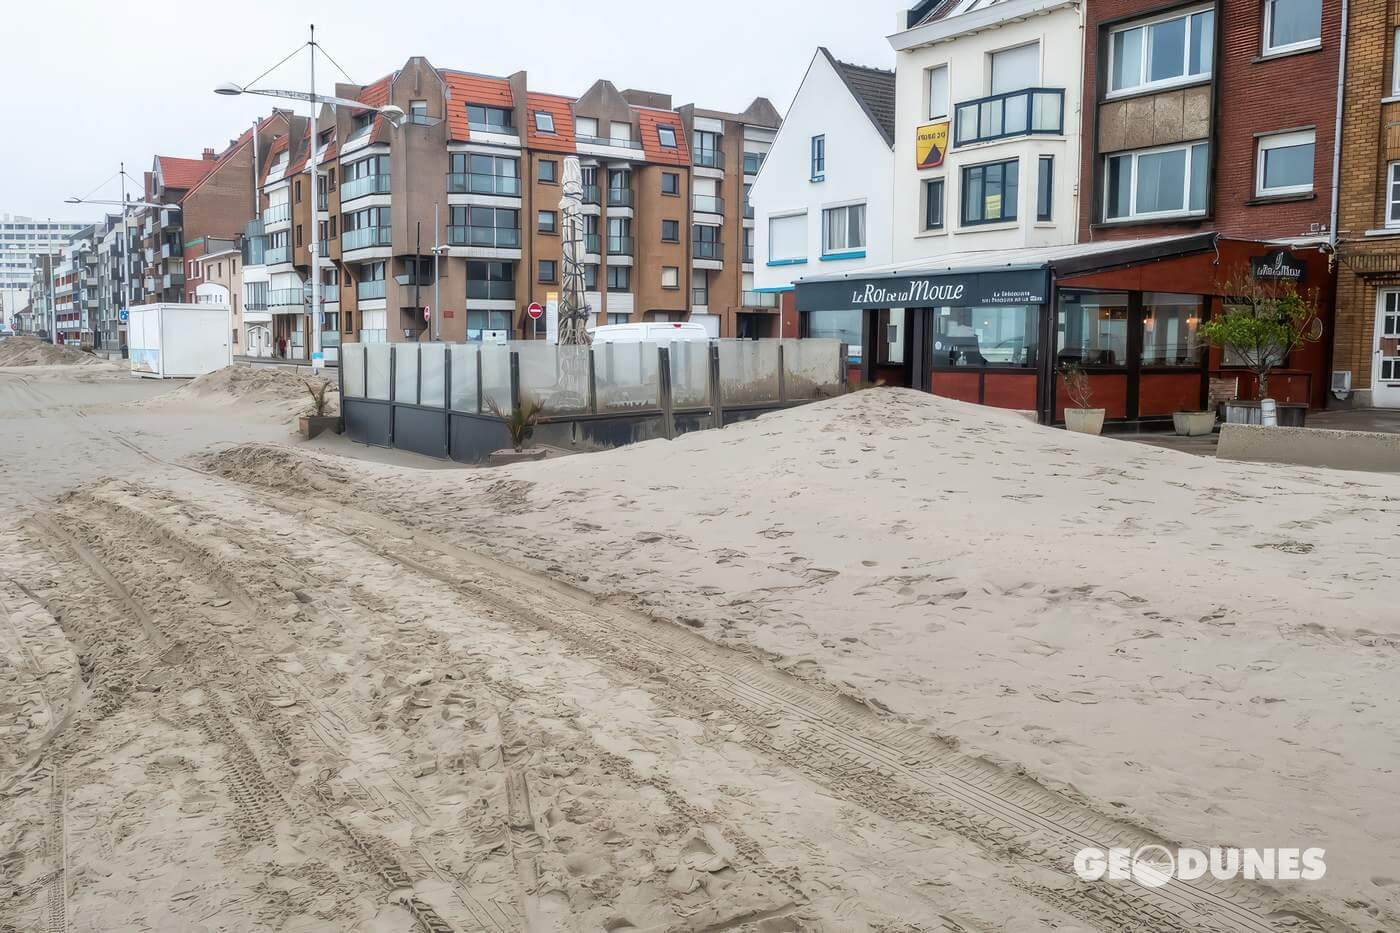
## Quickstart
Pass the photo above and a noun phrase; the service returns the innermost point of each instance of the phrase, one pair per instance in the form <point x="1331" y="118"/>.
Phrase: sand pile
<point x="248" y="383"/>
<point x="30" y="351"/>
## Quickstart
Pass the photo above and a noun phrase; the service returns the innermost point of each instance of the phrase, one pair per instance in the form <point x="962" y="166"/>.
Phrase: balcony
<point x="592" y="244"/>
<point x="753" y="161"/>
<point x="621" y="246"/>
<point x="619" y="197"/>
<point x="482" y="183"/>
<point x="323" y="202"/>
<point x="172" y="280"/>
<point x="286" y="298"/>
<point x="493" y="128"/>
<point x="170" y="218"/>
<point x="489" y="237"/>
<point x="490" y="290"/>
<point x="748" y="211"/>
<point x="256" y="303"/>
<point x="364" y="238"/>
<point x="171" y="250"/>
<point x="707" y="249"/>
<point x="760" y="299"/>
<point x="276" y="255"/>
<point x="608" y="141"/>
<point x="362" y="186"/>
<point x="277" y="214"/>
<point x="1034" y="110"/>
<point x="708" y="158"/>
<point x="708" y="204"/>
<point x="323" y="248"/>
<point x="748" y="253"/>
<point x="368" y="291"/>
<point x="592" y="194"/>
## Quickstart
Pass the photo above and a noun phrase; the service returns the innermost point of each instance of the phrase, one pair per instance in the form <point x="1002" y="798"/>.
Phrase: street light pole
<point x="314" y="157"/>
<point x="125" y="254"/>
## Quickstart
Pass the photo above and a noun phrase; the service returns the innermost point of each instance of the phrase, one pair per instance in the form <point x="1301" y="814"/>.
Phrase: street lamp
<point x="395" y="116"/>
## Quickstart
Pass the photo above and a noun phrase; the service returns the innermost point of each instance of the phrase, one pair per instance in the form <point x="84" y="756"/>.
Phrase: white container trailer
<point x="179" y="341"/>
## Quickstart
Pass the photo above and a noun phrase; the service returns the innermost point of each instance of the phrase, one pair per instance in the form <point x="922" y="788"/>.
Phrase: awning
<point x="982" y="277"/>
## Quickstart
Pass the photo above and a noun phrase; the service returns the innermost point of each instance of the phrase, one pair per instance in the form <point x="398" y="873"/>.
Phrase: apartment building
<point x="458" y="204"/>
<point x="1366" y="348"/>
<point x="21" y="239"/>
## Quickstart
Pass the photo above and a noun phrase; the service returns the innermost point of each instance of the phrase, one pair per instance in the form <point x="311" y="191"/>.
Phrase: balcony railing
<point x="708" y="204"/>
<point x="494" y="237"/>
<point x="277" y="254"/>
<point x="370" y="290"/>
<point x="171" y="250"/>
<point x="496" y="290"/>
<point x="592" y="194"/>
<point x="753" y="161"/>
<point x="709" y="158"/>
<point x="1016" y="113"/>
<point x="172" y="279"/>
<point x="760" y="299"/>
<point x="609" y="141"/>
<point x="592" y="243"/>
<point x="323" y="202"/>
<point x="700" y="296"/>
<point x="255" y="304"/>
<point x="277" y="214"/>
<point x="483" y="183"/>
<point x="493" y="128"/>
<point x="621" y="246"/>
<point x="286" y="298"/>
<point x="364" y="238"/>
<point x="707" y="249"/>
<point x="619" y="197"/>
<point x="364" y="185"/>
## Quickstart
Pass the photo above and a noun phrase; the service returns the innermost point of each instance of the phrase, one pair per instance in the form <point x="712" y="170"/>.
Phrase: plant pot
<point x="1084" y="420"/>
<point x="1193" y="423"/>
<point x="507" y="456"/>
<point x="313" y="425"/>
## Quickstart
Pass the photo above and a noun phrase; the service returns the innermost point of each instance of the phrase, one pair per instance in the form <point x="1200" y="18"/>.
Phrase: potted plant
<point x="1262" y="323"/>
<point x="1193" y="423"/>
<point x="1078" y="415"/>
<point x="520" y="425"/>
<point x="317" y="420"/>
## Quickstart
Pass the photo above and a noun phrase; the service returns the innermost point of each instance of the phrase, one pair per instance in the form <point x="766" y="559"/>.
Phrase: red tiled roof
<point x="562" y="139"/>
<point x="463" y="89"/>
<point x="651" y="141"/>
<point x="183" y="173"/>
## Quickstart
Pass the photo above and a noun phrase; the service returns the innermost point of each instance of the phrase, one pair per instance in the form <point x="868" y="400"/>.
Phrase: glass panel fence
<point x="748" y="371"/>
<point x="811" y="368"/>
<point x="432" y="384"/>
<point x="555" y="375"/>
<point x="406" y="373"/>
<point x="377" y="371"/>
<point x="627" y="376"/>
<point x="352" y="368"/>
<point x="690" y="373"/>
<point x="495" y="376"/>
<point x="465" y="360"/>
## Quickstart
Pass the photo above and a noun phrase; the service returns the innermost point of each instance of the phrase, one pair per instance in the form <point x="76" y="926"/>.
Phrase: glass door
<point x="1385" y="375"/>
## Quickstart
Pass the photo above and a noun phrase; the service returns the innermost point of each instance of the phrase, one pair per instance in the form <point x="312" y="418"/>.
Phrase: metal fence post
<point x="716" y="403"/>
<point x="782" y="377"/>
<point x="668" y="414"/>
<point x="843" y="372"/>
<point x="480" y="403"/>
<point x="340" y="387"/>
<point x="515" y="380"/>
<point x="446" y="401"/>
<point x="592" y="384"/>
<point x="393" y="389"/>
<point x="418" y="377"/>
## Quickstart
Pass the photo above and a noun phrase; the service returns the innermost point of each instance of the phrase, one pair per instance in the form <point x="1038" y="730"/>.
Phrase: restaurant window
<point x="938" y="93"/>
<point x="989" y="193"/>
<point x="1169" y="325"/>
<point x="986" y="336"/>
<point x="846" y="325"/>
<point x="1292" y="25"/>
<point x="843" y="229"/>
<point x="1092" y="329"/>
<point x="1284" y="164"/>
<point x="1171" y="49"/>
<point x="1164" y="182"/>
<point x="1045" y="189"/>
<point x="933" y="204"/>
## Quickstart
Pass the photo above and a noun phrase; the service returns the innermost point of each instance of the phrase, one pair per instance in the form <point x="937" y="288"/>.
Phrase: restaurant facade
<point x="999" y="327"/>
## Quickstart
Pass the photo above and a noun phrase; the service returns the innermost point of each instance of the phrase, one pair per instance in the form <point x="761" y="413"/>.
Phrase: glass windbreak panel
<point x="377" y="371"/>
<point x="464" y="364"/>
<point x="1014" y="114"/>
<point x="990" y="336"/>
<point x="690" y="373"/>
<point x="626" y="376"/>
<point x="495" y="376"/>
<point x="1169" y="329"/>
<point x="555" y="375"/>
<point x="812" y="368"/>
<point x="352" y="367"/>
<point x="432" y="365"/>
<point x="1092" y="329"/>
<point x="406" y="373"/>
<point x="748" y="371"/>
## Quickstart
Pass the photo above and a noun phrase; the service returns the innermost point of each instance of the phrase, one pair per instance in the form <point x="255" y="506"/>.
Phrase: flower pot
<point x="312" y="425"/>
<point x="1084" y="420"/>
<point x="1193" y="423"/>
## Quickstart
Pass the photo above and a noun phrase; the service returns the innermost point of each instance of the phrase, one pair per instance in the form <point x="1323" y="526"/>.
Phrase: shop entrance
<point x="1385" y="373"/>
<point x="889" y="346"/>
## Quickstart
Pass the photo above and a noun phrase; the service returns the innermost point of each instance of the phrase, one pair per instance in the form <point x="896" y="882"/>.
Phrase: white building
<point x="22" y="238"/>
<point x="995" y="87"/>
<point x="823" y="199"/>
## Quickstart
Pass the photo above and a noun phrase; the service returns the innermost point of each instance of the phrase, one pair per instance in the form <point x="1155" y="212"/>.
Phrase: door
<point x="1385" y="374"/>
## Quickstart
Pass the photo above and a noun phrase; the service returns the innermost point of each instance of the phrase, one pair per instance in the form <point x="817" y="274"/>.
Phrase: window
<point x="1291" y="25"/>
<point x="590" y="277"/>
<point x="298" y="234"/>
<point x="1092" y="329"/>
<point x="818" y="158"/>
<point x="497" y="227"/>
<point x="296" y="186"/>
<point x="670" y="277"/>
<point x="418" y="112"/>
<point x="787" y="239"/>
<point x="1045" y="189"/>
<point x="1169" y="329"/>
<point x="938" y="93"/>
<point x="843" y="229"/>
<point x="1170" y="50"/>
<point x="548" y="222"/>
<point x="481" y="323"/>
<point x="1284" y="164"/>
<point x="618" y="318"/>
<point x="548" y="171"/>
<point x="705" y="242"/>
<point x="933" y="204"/>
<point x="700" y="287"/>
<point x="707" y="150"/>
<point x="330" y="186"/>
<point x="670" y="183"/>
<point x="619" y="132"/>
<point x="1394" y="69"/>
<point x="979" y="337"/>
<point x="490" y="119"/>
<point x="1014" y="69"/>
<point x="1392" y="199"/>
<point x="989" y="192"/>
<point x="620" y="236"/>
<point x="1157" y="182"/>
<point x="490" y="281"/>
<point x="670" y="231"/>
<point x="548" y="271"/>
<point x="483" y="174"/>
<point x="544" y="121"/>
<point x="586" y="127"/>
<point x="667" y="135"/>
<point x="619" y="278"/>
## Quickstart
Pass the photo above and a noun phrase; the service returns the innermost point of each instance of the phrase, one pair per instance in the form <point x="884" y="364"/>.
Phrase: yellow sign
<point x="931" y="144"/>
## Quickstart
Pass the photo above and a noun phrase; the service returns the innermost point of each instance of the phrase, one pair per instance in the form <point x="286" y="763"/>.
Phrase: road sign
<point x="536" y="310"/>
<point x="122" y="315"/>
<point x="427" y="313"/>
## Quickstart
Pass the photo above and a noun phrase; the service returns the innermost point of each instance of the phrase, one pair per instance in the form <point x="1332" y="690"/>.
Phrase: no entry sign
<point x="536" y="310"/>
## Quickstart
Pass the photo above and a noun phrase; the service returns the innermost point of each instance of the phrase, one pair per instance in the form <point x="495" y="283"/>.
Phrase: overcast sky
<point x="97" y="81"/>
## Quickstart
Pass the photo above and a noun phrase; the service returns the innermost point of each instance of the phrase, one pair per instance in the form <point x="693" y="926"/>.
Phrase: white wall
<point x="967" y="54"/>
<point x="859" y="167"/>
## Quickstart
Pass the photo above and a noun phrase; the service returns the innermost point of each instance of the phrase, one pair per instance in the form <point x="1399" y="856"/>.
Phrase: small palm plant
<point x="520" y="422"/>
<point x="319" y="400"/>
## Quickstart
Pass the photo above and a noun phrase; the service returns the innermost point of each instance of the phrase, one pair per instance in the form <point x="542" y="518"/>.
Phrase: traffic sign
<point x="122" y="315"/>
<point x="427" y="313"/>
<point x="536" y="310"/>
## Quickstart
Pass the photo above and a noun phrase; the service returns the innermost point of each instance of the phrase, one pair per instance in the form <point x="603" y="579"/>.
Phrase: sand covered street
<point x="880" y="663"/>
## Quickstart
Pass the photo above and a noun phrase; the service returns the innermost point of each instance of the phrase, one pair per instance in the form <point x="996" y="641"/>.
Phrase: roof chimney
<point x="209" y="155"/>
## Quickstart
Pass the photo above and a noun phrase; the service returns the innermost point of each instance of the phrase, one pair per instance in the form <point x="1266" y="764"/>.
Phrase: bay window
<point x="1172" y="49"/>
<point x="1153" y="183"/>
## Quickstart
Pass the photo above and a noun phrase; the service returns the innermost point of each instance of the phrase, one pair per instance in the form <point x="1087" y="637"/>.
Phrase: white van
<point x="650" y="332"/>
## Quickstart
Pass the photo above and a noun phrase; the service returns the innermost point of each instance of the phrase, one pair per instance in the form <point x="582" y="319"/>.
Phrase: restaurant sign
<point x="931" y="144"/>
<point x="973" y="289"/>
<point x="1279" y="266"/>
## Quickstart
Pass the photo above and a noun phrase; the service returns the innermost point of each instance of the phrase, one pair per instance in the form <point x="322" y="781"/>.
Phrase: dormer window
<point x="544" y="121"/>
<point x="667" y="135"/>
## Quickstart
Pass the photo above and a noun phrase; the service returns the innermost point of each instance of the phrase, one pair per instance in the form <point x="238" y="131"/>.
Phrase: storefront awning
<point x="982" y="277"/>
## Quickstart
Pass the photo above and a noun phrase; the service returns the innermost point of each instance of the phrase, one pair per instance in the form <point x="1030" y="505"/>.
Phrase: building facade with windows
<point x="824" y="197"/>
<point x="22" y="239"/>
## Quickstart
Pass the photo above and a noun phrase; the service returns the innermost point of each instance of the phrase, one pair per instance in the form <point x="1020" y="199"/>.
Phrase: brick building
<point x="1366" y="347"/>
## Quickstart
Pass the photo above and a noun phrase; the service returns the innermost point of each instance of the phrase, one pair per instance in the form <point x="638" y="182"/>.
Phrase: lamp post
<point x="395" y="114"/>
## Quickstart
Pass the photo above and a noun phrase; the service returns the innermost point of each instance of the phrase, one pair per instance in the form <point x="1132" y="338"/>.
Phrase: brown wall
<point x="653" y="254"/>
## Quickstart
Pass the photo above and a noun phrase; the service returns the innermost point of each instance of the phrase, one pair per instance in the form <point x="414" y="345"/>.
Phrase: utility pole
<point x="314" y="158"/>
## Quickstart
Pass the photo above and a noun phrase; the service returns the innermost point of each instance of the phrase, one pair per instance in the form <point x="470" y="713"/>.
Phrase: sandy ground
<point x="882" y="663"/>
